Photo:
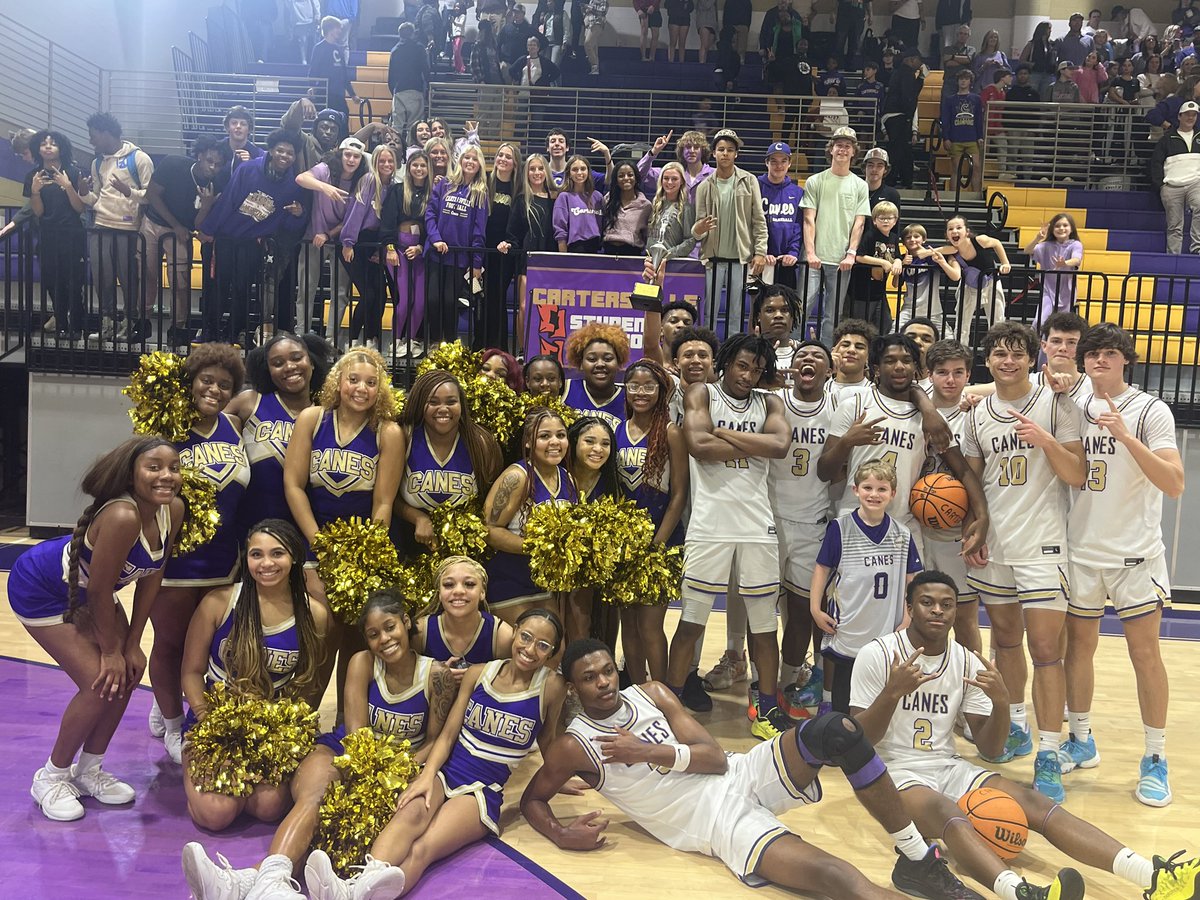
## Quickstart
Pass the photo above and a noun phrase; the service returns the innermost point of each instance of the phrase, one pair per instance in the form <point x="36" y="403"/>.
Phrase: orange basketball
<point x="999" y="820"/>
<point x="938" y="501"/>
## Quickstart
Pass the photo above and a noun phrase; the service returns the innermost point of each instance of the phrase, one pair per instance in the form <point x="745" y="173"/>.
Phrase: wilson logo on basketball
<point x="1010" y="836"/>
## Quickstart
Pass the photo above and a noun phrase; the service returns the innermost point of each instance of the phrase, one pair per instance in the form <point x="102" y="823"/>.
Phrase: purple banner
<point x="566" y="291"/>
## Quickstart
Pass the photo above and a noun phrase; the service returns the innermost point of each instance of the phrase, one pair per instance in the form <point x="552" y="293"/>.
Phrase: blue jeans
<point x="824" y="293"/>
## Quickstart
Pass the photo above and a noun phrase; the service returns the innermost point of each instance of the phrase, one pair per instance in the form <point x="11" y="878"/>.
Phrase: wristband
<point x="853" y="253"/>
<point x="683" y="758"/>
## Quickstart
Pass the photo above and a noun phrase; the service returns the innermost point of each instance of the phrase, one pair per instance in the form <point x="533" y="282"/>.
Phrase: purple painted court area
<point x="121" y="852"/>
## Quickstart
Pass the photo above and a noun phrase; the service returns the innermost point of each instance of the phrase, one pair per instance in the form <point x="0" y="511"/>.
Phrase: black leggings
<point x="446" y="284"/>
<point x="372" y="287"/>
<point x="842" y="670"/>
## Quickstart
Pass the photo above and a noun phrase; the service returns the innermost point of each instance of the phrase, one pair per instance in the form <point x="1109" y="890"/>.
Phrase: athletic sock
<point x="753" y="672"/>
<point x="909" y="842"/>
<point x="1156" y="741"/>
<point x="52" y="769"/>
<point x="789" y="675"/>
<point x="766" y="703"/>
<point x="1133" y="868"/>
<point x="175" y="724"/>
<point x="1006" y="885"/>
<point x="1080" y="725"/>
<point x="1049" y="740"/>
<point x="826" y="695"/>
<point x="1016" y="714"/>
<point x="735" y="644"/>
<point x="89" y="761"/>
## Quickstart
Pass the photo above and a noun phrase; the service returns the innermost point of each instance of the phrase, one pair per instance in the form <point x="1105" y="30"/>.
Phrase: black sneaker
<point x="694" y="696"/>
<point x="930" y="878"/>
<point x="1067" y="885"/>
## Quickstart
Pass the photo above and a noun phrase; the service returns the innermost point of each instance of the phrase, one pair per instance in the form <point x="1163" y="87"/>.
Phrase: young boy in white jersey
<point x="908" y="689"/>
<point x="1117" y="553"/>
<point x="1023" y="441"/>
<point x="949" y="363"/>
<point x="732" y="430"/>
<point x="866" y="559"/>
<point x="851" y="351"/>
<point x="642" y="751"/>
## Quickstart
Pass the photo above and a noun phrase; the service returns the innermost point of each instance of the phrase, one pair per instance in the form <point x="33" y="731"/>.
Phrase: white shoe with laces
<point x="173" y="741"/>
<point x="158" y="725"/>
<point x="56" y="796"/>
<point x="275" y="881"/>
<point x="102" y="785"/>
<point x="378" y="880"/>
<point x="322" y="882"/>
<point x="209" y="880"/>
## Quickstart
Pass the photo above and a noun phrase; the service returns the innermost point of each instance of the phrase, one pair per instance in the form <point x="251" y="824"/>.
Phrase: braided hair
<point x="657" y="450"/>
<point x="756" y="344"/>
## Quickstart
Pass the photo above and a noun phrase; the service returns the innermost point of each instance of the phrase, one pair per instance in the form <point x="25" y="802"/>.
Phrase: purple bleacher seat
<point x="1081" y="198"/>
<point x="1137" y="241"/>
<point x="1144" y="220"/>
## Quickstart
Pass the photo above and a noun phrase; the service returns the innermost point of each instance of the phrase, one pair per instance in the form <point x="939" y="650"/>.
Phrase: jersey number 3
<point x="800" y="462"/>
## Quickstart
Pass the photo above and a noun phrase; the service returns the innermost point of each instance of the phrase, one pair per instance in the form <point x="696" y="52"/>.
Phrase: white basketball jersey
<point x="1026" y="505"/>
<point x="1116" y="519"/>
<point x="842" y="392"/>
<point x="922" y="727"/>
<point x="956" y="419"/>
<point x="1078" y="392"/>
<point x="662" y="801"/>
<point x="797" y="494"/>
<point x="730" y="499"/>
<point x="866" y="593"/>
<point x="903" y="445"/>
<point x="675" y="404"/>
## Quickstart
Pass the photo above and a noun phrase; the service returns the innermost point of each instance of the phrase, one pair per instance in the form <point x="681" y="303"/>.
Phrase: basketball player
<point x="775" y="312"/>
<point x="851" y="350"/>
<point x="924" y="333"/>
<point x="908" y="689"/>
<point x="644" y="753"/>
<point x="1060" y="334"/>
<point x="732" y="430"/>
<point x="1024" y="443"/>
<point x="1115" y="531"/>
<point x="882" y="422"/>
<point x="949" y="363"/>
<point x="677" y="316"/>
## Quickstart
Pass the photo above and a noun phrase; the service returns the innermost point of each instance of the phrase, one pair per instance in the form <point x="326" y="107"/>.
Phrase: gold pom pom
<point x="354" y="557"/>
<point x="652" y="578"/>
<point x="199" y="496"/>
<point x="582" y="544"/>
<point x="244" y="741"/>
<point x="375" y="770"/>
<point x="459" y="531"/>
<point x="400" y="398"/>
<point x="552" y="541"/>
<point x="415" y="581"/>
<point x="162" y="397"/>
<point x="551" y="402"/>
<point x="455" y="358"/>
<point x="494" y="406"/>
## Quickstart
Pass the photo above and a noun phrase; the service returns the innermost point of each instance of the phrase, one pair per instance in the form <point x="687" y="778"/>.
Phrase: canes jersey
<point x="341" y="479"/>
<point x="922" y="727"/>
<point x="1025" y="501"/>
<point x="579" y="397"/>
<point x="797" y="494"/>
<point x="431" y="482"/>
<point x="730" y="499"/>
<point x="1116" y="519"/>
<point x="1078" y="393"/>
<point x="404" y="715"/>
<point x="956" y="420"/>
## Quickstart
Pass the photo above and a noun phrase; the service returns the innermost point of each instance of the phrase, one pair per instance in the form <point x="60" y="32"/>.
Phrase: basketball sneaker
<point x="729" y="669"/>
<point x="102" y="785"/>
<point x="1067" y="885"/>
<point x="1173" y="880"/>
<point x="57" y="796"/>
<point x="792" y="702"/>
<point x="1075" y="754"/>
<point x="210" y="881"/>
<point x="752" y="701"/>
<point x="930" y="878"/>
<point x="158" y="725"/>
<point x="1019" y="743"/>
<point x="1047" y="776"/>
<point x="1153" y="788"/>
<point x="694" y="696"/>
<point x="275" y="881"/>
<point x="810" y="694"/>
<point x="769" y="725"/>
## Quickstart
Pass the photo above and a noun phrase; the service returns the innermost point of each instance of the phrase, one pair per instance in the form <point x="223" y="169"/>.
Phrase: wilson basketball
<point x="999" y="820"/>
<point x="938" y="501"/>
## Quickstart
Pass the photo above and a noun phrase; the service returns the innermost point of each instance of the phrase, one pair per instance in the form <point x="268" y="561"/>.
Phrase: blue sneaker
<point x="1019" y="743"/>
<point x="810" y="694"/>
<point x="1153" y="788"/>
<point x="1047" y="776"/>
<point x="1078" y="754"/>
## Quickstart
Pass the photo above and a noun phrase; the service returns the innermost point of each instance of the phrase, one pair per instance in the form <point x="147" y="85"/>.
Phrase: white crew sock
<point x="1133" y="868"/>
<point x="1156" y="741"/>
<point x="89" y="761"/>
<point x="1016" y="714"/>
<point x="909" y="842"/>
<point x="52" y="769"/>
<point x="174" y="724"/>
<point x="1049" y="740"/>
<point x="1080" y="725"/>
<point x="789" y="675"/>
<point x="1006" y="885"/>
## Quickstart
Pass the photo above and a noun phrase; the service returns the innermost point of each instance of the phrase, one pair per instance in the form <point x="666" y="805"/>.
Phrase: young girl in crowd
<point x="981" y="258"/>
<point x="626" y="214"/>
<point x="1057" y="250"/>
<point x="455" y="217"/>
<point x="363" y="226"/>
<point x="577" y="210"/>
<point x="671" y="219"/>
<point x="599" y="352"/>
<point x="418" y="135"/>
<point x="403" y="236"/>
<point x="441" y="163"/>
<point x="921" y="277"/>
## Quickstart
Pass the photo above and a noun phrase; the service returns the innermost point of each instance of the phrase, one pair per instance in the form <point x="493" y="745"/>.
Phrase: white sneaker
<point x="50" y="325"/>
<point x="595" y="70"/>
<point x="158" y="725"/>
<point x="400" y="348"/>
<point x="275" y="881"/>
<point x="322" y="882"/>
<point x="210" y="881"/>
<point x="57" y="796"/>
<point x="371" y="344"/>
<point x="102" y="785"/>
<point x="416" y="349"/>
<point x="173" y="741"/>
<point x="107" y="332"/>
<point x="378" y="880"/>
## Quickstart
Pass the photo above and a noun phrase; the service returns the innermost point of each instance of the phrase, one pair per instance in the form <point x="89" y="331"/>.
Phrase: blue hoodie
<point x="451" y="218"/>
<point x="781" y="206"/>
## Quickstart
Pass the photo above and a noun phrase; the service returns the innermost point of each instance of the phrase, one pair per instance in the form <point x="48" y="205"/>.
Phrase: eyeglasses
<point x="539" y="645"/>
<point x="641" y="388"/>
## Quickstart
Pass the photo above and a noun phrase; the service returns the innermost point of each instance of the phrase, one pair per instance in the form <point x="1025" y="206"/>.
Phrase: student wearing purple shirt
<point x="781" y="205"/>
<point x="578" y="210"/>
<point x="962" y="126"/>
<point x="1057" y="250"/>
<point x="456" y="217"/>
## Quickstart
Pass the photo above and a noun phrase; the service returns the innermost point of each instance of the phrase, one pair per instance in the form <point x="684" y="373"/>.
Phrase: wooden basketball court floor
<point x="632" y="864"/>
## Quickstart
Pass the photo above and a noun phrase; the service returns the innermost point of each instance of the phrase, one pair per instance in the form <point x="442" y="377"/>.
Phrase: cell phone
<point x="461" y="664"/>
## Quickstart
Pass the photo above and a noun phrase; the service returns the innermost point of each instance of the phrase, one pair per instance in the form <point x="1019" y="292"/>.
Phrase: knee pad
<point x="837" y="739"/>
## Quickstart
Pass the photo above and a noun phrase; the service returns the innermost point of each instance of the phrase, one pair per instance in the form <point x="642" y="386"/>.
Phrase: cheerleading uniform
<point x="265" y="436"/>
<point x="220" y="457"/>
<point x="37" y="585"/>
<point x="481" y="649"/>
<point x="631" y="475"/>
<point x="578" y="397"/>
<point x="430" y="482"/>
<point x="341" y="474"/>
<point x="498" y="732"/>
<point x="403" y="715"/>
<point x="509" y="580"/>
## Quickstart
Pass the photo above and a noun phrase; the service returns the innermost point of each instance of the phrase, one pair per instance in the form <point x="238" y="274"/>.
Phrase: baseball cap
<point x="778" y="147"/>
<point x="354" y="145"/>
<point x="845" y="133"/>
<point x="1065" y="64"/>
<point x="730" y="134"/>
<point x="877" y="153"/>
<point x="1190" y="106"/>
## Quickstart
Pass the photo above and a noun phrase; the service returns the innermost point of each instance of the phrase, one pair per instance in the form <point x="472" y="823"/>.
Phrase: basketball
<point x="999" y="820"/>
<point x="938" y="501"/>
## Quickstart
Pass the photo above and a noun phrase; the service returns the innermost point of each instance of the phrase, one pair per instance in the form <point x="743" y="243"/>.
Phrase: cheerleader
<point x="345" y="459"/>
<point x="599" y="352"/>
<point x="389" y="688"/>
<point x="214" y="448"/>
<point x="539" y="477"/>
<point x="460" y="630"/>
<point x="451" y="460"/>
<point x="263" y="638"/>
<point x="281" y="373"/>
<point x="403" y="230"/>
<point x="504" y="367"/>
<point x="544" y="375"/>
<point x="502" y="707"/>
<point x="362" y="227"/>
<point x="652" y="467"/>
<point x="60" y="590"/>
<point x="593" y="467"/>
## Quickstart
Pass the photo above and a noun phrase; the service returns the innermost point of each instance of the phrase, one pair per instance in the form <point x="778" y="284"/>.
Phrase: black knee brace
<point x="836" y="739"/>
